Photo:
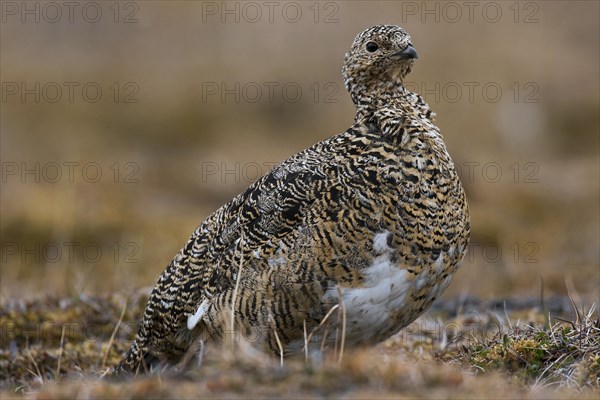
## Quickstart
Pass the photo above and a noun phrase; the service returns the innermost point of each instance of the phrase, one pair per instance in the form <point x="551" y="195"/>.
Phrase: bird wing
<point x="276" y="211"/>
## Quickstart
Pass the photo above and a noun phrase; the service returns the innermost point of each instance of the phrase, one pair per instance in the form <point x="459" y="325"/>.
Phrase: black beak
<point x="409" y="52"/>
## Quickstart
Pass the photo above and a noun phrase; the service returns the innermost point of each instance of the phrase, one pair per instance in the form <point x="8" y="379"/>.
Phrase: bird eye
<point x="371" y="47"/>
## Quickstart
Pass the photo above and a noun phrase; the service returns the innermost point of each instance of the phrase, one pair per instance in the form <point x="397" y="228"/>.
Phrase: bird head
<point x="379" y="59"/>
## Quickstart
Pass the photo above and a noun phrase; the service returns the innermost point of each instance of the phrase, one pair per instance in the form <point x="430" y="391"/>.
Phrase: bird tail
<point x="132" y="361"/>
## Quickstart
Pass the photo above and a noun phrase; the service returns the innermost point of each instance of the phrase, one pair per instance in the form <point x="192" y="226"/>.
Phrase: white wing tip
<point x="193" y="320"/>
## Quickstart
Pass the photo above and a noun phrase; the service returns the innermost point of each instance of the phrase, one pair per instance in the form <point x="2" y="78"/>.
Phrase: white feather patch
<point x="193" y="320"/>
<point x="380" y="242"/>
<point x="384" y="289"/>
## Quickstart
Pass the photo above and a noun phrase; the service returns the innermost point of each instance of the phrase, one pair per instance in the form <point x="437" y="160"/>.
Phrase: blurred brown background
<point x="123" y="125"/>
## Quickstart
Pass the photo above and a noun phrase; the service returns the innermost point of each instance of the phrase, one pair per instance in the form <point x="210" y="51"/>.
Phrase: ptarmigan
<point x="374" y="219"/>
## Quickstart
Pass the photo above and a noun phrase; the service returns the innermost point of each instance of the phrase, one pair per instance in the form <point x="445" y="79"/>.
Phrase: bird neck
<point x="370" y="98"/>
<point x="399" y="114"/>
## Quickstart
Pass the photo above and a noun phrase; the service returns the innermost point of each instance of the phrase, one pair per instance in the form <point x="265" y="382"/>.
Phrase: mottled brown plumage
<point x="375" y="217"/>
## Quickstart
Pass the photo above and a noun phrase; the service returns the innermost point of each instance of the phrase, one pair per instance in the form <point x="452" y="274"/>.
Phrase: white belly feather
<point x="385" y="289"/>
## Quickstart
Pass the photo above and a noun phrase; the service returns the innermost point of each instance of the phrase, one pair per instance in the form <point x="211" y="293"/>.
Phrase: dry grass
<point x="56" y="348"/>
<point x="567" y="353"/>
